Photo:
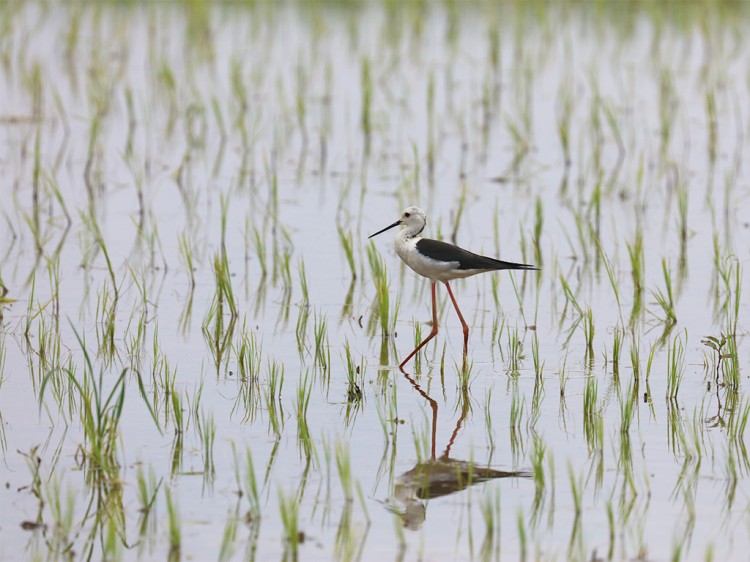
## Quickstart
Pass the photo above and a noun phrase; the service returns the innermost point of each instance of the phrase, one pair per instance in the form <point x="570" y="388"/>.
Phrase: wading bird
<point x="439" y="261"/>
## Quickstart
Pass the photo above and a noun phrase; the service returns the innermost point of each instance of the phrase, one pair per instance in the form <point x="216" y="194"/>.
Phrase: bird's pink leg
<point x="434" y="331"/>
<point x="460" y="317"/>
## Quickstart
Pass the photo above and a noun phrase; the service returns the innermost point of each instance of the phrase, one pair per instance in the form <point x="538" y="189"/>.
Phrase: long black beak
<point x="398" y="222"/>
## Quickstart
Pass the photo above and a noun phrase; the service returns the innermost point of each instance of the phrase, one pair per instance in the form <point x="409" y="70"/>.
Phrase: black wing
<point x="442" y="251"/>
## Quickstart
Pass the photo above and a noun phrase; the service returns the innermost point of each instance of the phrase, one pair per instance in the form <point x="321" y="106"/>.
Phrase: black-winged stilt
<point x="439" y="261"/>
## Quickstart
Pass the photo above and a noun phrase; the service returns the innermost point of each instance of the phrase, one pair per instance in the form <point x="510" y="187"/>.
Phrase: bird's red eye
<point x="407" y="215"/>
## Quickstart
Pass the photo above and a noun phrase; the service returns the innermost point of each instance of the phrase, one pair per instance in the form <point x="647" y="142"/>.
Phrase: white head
<point x="412" y="219"/>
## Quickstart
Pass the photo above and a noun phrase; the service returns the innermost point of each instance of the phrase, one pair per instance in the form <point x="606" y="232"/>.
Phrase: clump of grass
<point x="382" y="311"/>
<point x="100" y="412"/>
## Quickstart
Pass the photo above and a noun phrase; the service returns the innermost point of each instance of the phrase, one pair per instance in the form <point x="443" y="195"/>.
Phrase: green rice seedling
<point x="464" y="373"/>
<point x="343" y="465"/>
<point x="731" y="367"/>
<point x="422" y="437"/>
<point x="301" y="107"/>
<point x="217" y="333"/>
<point x="666" y="300"/>
<point x="538" y="226"/>
<point x="737" y="425"/>
<point x="650" y="361"/>
<point x="208" y="435"/>
<point x="459" y="212"/>
<point x="174" y="526"/>
<point x="348" y="306"/>
<point x="186" y="253"/>
<point x="106" y="311"/>
<point x="301" y="329"/>
<point x="92" y="225"/>
<point x="227" y="549"/>
<point x="417" y="340"/>
<point x="522" y="535"/>
<point x="611" y="275"/>
<point x="569" y="297"/>
<point x="611" y="527"/>
<point x="249" y="356"/>
<point x="727" y="292"/>
<point x="100" y="413"/>
<point x="593" y="423"/>
<point x="490" y="508"/>
<point x="186" y="315"/>
<point x="489" y="430"/>
<point x="682" y="189"/>
<point x="111" y="543"/>
<point x="552" y="488"/>
<point x="272" y="397"/>
<point x="635" y="359"/>
<point x="349" y="543"/>
<point x="260" y="250"/>
<point x="538" y="452"/>
<point x="675" y="366"/>
<point x="382" y="308"/>
<point x="354" y="376"/>
<point x="248" y="484"/>
<point x="538" y="363"/>
<point x="303" y="283"/>
<point x="222" y="276"/>
<point x="177" y="413"/>
<point x="322" y="357"/>
<point x="62" y="512"/>
<point x="34" y="222"/>
<point x="347" y="243"/>
<point x="563" y="380"/>
<point x="668" y="101"/>
<point x="564" y="112"/>
<point x="536" y="402"/>
<point x="515" y="353"/>
<point x="616" y="351"/>
<point x="637" y="269"/>
<point x="147" y="488"/>
<point x="516" y="417"/>
<point x="283" y="268"/>
<point x="576" y="537"/>
<point x="289" y="511"/>
<point x="675" y="433"/>
<point x="627" y="404"/>
<point x="588" y="332"/>
<point x="301" y="405"/>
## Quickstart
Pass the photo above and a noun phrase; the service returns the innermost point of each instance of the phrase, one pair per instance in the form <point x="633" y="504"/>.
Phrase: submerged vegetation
<point x="198" y="344"/>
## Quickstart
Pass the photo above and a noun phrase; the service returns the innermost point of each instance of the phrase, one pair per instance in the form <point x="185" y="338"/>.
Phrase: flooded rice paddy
<point x="199" y="344"/>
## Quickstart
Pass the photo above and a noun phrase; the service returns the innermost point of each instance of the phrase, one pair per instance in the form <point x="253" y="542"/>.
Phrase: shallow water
<point x="195" y="126"/>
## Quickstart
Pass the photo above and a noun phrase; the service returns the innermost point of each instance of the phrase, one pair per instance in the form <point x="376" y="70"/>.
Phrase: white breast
<point x="406" y="248"/>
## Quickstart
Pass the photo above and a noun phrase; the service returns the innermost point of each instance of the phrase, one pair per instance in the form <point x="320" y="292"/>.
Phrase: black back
<point x="442" y="251"/>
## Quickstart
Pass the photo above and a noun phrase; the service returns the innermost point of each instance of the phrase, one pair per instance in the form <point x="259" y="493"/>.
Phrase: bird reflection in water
<point x="438" y="476"/>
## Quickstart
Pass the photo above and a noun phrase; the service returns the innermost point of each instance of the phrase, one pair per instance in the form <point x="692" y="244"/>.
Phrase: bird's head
<point x="413" y="219"/>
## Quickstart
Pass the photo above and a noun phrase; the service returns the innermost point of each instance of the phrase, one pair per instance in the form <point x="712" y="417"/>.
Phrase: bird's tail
<point x="510" y="265"/>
